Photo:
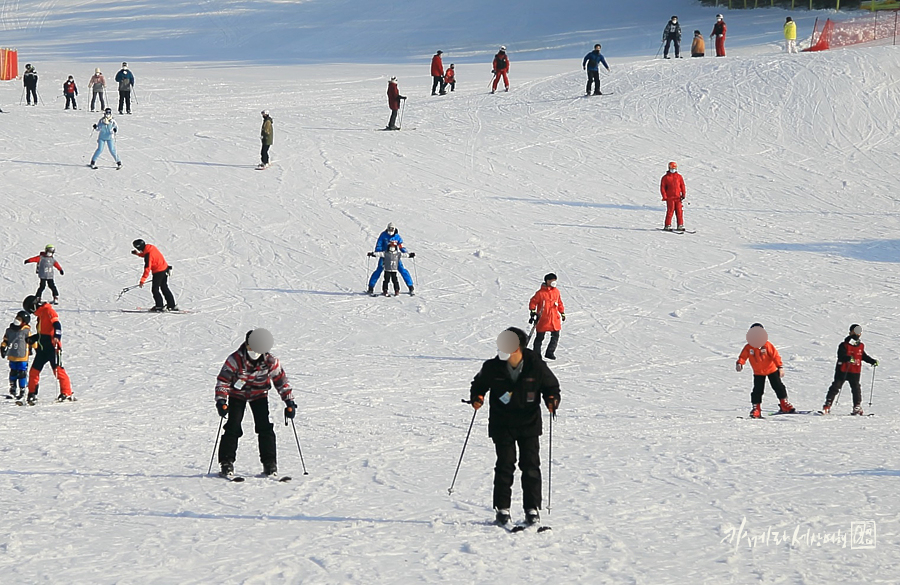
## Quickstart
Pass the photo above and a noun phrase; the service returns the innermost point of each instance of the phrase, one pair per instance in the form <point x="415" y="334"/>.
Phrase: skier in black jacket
<point x="672" y="33"/>
<point x="517" y="380"/>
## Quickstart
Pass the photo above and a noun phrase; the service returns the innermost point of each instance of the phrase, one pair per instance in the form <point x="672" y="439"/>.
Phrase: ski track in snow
<point x="796" y="216"/>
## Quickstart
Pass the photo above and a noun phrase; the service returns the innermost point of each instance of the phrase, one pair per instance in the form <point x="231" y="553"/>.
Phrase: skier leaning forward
<point x="49" y="349"/>
<point x="246" y="378"/>
<point x="106" y="128"/>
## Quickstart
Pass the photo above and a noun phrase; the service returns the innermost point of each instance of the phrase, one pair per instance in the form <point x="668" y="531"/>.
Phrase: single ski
<point x="823" y="413"/>
<point x="143" y="310"/>
<point x="523" y="527"/>
<point x="778" y="412"/>
<point x="231" y="477"/>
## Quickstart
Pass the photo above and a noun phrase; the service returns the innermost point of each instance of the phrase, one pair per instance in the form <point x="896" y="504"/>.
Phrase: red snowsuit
<point x="719" y="32"/>
<point x="49" y="340"/>
<point x="672" y="189"/>
<point x="501" y="70"/>
<point x="549" y="304"/>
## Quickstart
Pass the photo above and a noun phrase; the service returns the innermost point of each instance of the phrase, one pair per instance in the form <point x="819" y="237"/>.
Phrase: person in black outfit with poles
<point x="517" y="379"/>
<point x="672" y="34"/>
<point x="29" y="80"/>
<point x="851" y="354"/>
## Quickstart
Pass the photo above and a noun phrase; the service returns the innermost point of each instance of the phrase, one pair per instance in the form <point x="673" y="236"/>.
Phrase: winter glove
<point x="371" y="254"/>
<point x="562" y="316"/>
<point x="62" y="272"/>
<point x="115" y="130"/>
<point x="875" y="365"/>
<point x="3" y="352"/>
<point x="95" y="126"/>
<point x="32" y="339"/>
<point x="412" y="254"/>
<point x="290" y="409"/>
<point x="494" y="72"/>
<point x="26" y="262"/>
<point x="222" y="407"/>
<point x="781" y="372"/>
<point x="738" y="366"/>
<point x="135" y="252"/>
<point x="402" y="97"/>
<point x="532" y="318"/>
<point x="477" y="402"/>
<point x="682" y="197"/>
<point x="552" y="403"/>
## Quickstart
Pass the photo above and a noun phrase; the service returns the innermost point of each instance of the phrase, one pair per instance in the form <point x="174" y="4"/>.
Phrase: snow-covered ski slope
<point x="790" y="163"/>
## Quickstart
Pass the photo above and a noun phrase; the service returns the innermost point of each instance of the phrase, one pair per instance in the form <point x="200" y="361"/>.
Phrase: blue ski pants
<point x="19" y="371"/>
<point x="110" y="144"/>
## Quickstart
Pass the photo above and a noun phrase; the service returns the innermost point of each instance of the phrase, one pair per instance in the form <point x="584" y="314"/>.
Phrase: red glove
<point x="141" y="284"/>
<point x="552" y="403"/>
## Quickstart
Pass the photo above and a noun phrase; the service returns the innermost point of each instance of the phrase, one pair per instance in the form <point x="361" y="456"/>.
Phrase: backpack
<point x="502" y="63"/>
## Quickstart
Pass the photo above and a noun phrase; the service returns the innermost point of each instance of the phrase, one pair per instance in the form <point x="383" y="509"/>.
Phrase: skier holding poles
<point x="107" y="129"/>
<point x="672" y="34"/>
<point x="394" y="99"/>
<point x="850" y="355"/>
<point x="30" y="81"/>
<point x="517" y="379"/>
<point x="547" y="309"/>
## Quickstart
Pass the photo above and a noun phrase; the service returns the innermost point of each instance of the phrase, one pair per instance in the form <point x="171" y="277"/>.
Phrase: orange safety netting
<point x="9" y="64"/>
<point x="834" y="34"/>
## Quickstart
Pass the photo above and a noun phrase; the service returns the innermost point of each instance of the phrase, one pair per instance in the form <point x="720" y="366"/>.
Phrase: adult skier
<point x="30" y="81"/>
<point x="45" y="265"/>
<point x="70" y="90"/>
<point x="672" y="34"/>
<point x="125" y="79"/>
<point x="106" y="129"/>
<point x="16" y="348"/>
<point x="591" y="63"/>
<point x="517" y="379"/>
<point x="766" y="363"/>
<point x="851" y="354"/>
<point x="98" y="89"/>
<point x="790" y="35"/>
<point x="673" y="192"/>
<point x="718" y="31"/>
<point x="267" y="137"/>
<point x="245" y="378"/>
<point x="49" y="349"/>
<point x="437" y="73"/>
<point x="501" y="69"/>
<point x="547" y="309"/>
<point x="155" y="263"/>
<point x="390" y="261"/>
<point x="394" y="99"/>
<point x="390" y="234"/>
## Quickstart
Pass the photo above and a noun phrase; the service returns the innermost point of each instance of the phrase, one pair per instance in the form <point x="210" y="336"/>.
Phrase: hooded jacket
<point x="548" y="302"/>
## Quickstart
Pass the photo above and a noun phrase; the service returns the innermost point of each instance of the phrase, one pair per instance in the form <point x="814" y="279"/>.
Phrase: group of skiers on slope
<point x="767" y="364"/>
<point x="672" y="37"/>
<point x="97" y="83"/>
<point x="18" y="342"/>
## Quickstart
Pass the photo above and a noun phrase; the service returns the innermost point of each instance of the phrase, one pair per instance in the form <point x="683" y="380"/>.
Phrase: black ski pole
<point x="299" y="450"/>
<point x="216" y="446"/>
<point x="872" y="391"/>
<point x="21" y="99"/>
<point x="550" y="464"/>
<point x="661" y="43"/>
<point x="453" y="483"/>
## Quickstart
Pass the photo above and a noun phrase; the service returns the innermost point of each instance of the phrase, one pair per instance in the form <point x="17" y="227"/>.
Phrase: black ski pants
<point x="48" y="282"/>
<point x="390" y="277"/>
<point x="669" y="40"/>
<point x="94" y="100"/>
<point x="393" y="119"/>
<point x="160" y="289"/>
<point x="264" y="153"/>
<point x="438" y="81"/>
<point x="264" y="428"/>
<point x="839" y="379"/>
<point x="539" y="340"/>
<point x="529" y="464"/>
<point x="759" y="386"/>
<point x="70" y="100"/>
<point x="593" y="78"/>
<point x="31" y="93"/>
<point x="125" y="99"/>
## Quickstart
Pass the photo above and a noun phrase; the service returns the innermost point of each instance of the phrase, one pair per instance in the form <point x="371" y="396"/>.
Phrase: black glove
<point x="371" y="254"/>
<point x="412" y="254"/>
<point x="3" y="352"/>
<point x="26" y="262"/>
<point x="492" y="71"/>
<point x="290" y="409"/>
<point x="562" y="316"/>
<point x="115" y="130"/>
<point x="222" y="407"/>
<point x="533" y="317"/>
<point x="32" y="339"/>
<point x="552" y="403"/>
<point x="682" y="197"/>
<point x="95" y="126"/>
<point x="402" y="97"/>
<point x="62" y="272"/>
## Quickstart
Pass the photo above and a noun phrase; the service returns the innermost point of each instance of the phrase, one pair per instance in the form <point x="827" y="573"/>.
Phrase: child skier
<point x="391" y="262"/>
<point x="698" y="46"/>
<point x="850" y="355"/>
<point x="766" y="363"/>
<point x="246" y="378"/>
<point x="45" y="265"/>
<point x="70" y="91"/>
<point x="17" y="350"/>
<point x="450" y="77"/>
<point x="547" y="308"/>
<point x="671" y="186"/>
<point x="106" y="128"/>
<point x="49" y="349"/>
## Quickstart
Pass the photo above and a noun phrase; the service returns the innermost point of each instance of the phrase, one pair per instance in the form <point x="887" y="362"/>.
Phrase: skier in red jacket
<point x="547" y="309"/>
<point x="437" y="73"/>
<point x="672" y="189"/>
<point x="718" y="31"/>
<point x="851" y="354"/>
<point x="394" y="98"/>
<point x="501" y="68"/>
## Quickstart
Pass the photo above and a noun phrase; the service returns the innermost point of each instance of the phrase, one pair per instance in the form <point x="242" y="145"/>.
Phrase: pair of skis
<point x="240" y="478"/>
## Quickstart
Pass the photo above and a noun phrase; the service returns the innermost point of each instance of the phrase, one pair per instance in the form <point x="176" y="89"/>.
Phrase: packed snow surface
<point x="790" y="164"/>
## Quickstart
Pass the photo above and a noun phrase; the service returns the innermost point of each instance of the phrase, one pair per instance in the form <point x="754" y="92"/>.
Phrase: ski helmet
<point x="50" y="249"/>
<point x="265" y="112"/>
<point x="30" y="303"/>
<point x="124" y="64"/>
<point x="391" y="228"/>
<point x="139" y="245"/>
<point x="673" y="165"/>
<point x="719" y="17"/>
<point x="24" y="317"/>
<point x="856" y="329"/>
<point x="550" y="276"/>
<point x="502" y="47"/>
<point x="108" y="112"/>
<point x="260" y="340"/>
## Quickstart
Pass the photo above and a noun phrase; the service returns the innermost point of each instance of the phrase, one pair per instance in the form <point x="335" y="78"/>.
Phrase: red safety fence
<point x="865" y="29"/>
<point x="9" y="64"/>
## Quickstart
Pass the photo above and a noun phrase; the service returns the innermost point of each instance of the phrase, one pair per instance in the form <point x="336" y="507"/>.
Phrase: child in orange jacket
<point x="766" y="363"/>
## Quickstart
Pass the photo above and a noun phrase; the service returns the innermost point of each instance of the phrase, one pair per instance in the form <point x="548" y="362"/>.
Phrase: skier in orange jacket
<point x="671" y="186"/>
<point x="547" y="309"/>
<point x="766" y="363"/>
<point x="49" y="349"/>
<point x="155" y="263"/>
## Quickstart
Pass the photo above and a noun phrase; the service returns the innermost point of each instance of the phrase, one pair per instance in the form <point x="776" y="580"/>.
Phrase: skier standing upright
<point x="16" y="348"/>
<point x="672" y="34"/>
<point x="671" y="186"/>
<point x="766" y="363"/>
<point x="851" y="354"/>
<point x="501" y="69"/>
<point x="790" y="35"/>
<point x="390" y="262"/>
<point x="245" y="378"/>
<point x="98" y="89"/>
<point x="390" y="234"/>
<point x="394" y="99"/>
<point x="547" y="309"/>
<point x="591" y="63"/>
<point x="155" y="263"/>
<point x="49" y="349"/>
<point x="106" y="129"/>
<point x="70" y="90"/>
<point x="437" y="73"/>
<point x="45" y="265"/>
<point x="125" y="79"/>
<point x="267" y="137"/>
<point x="718" y="32"/>
<point x="30" y="81"/>
<point x="517" y="379"/>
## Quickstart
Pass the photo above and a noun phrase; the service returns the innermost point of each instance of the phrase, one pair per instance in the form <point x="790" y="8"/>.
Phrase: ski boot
<point x="501" y="518"/>
<point x="370" y="290"/>
<point x="118" y="164"/>
<point x="680" y="227"/>
<point x="826" y="408"/>
<point x="396" y="292"/>
<point x="532" y="517"/>
<point x="550" y="356"/>
<point x="857" y="410"/>
<point x="55" y="301"/>
<point x="226" y="469"/>
<point x="786" y="407"/>
<point x="65" y="398"/>
<point x="756" y="412"/>
<point x="157" y="309"/>
<point x="412" y="291"/>
<point x="12" y="388"/>
<point x="667" y="228"/>
<point x="93" y="164"/>
<point x="270" y="469"/>
<point x="32" y="399"/>
<point x="174" y="309"/>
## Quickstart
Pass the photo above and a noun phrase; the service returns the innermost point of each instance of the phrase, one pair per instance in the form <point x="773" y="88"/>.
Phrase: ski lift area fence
<point x="9" y="64"/>
<point x="880" y="26"/>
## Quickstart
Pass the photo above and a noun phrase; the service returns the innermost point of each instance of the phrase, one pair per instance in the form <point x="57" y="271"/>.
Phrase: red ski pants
<point x="497" y="77"/>
<point x="720" y="46"/>
<point x="674" y="205"/>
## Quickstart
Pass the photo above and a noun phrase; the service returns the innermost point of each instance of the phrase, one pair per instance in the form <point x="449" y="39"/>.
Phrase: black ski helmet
<point x="24" y="317"/>
<point x="30" y="303"/>
<point x="856" y="329"/>
<point x="139" y="245"/>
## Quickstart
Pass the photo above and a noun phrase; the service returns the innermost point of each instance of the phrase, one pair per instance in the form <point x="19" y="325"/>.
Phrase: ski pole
<point x="126" y="289"/>
<point x="134" y="95"/>
<point x="872" y="391"/>
<point x="299" y="450"/>
<point x="402" y="109"/>
<point x="550" y="464"/>
<point x="216" y="446"/>
<point x="368" y="263"/>
<point x="416" y="271"/>
<point x="453" y="483"/>
<point x="21" y="99"/>
<point x="838" y="397"/>
<point x="661" y="43"/>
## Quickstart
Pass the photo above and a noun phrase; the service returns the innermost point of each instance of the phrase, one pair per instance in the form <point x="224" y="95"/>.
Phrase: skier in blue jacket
<point x="388" y="235"/>
<point x="107" y="129"/>
<point x="591" y="63"/>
